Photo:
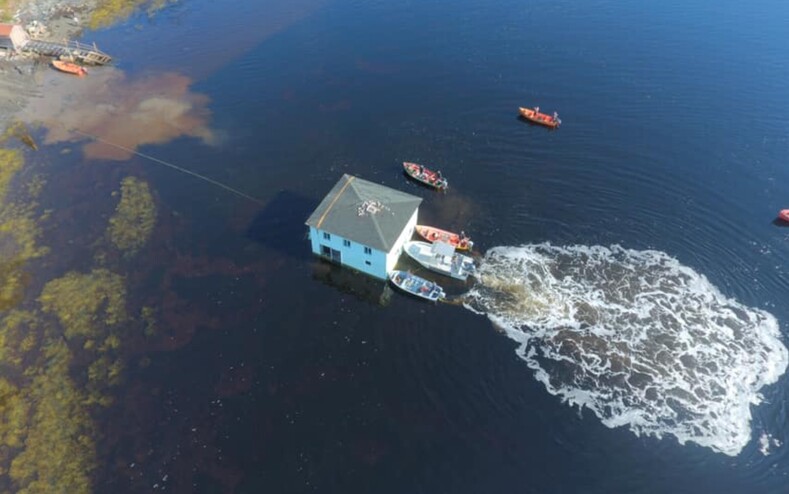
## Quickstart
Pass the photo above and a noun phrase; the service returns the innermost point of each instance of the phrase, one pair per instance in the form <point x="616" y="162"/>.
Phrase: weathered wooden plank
<point x="79" y="51"/>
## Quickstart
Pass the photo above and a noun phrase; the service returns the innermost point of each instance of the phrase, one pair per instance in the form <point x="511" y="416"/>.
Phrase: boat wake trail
<point x="634" y="336"/>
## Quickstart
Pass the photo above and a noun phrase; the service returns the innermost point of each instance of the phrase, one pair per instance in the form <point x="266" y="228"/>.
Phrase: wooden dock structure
<point x="71" y="50"/>
<point x="13" y="37"/>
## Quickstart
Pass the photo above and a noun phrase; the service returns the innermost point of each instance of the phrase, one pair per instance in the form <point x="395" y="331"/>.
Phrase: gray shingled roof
<point x="364" y="212"/>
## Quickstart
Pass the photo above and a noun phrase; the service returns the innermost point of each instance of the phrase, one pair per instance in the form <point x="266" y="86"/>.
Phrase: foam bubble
<point x="767" y="442"/>
<point x="634" y="336"/>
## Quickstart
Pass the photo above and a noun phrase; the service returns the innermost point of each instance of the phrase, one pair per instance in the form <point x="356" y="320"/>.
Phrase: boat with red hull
<point x="425" y="175"/>
<point x="432" y="234"/>
<point x="784" y="215"/>
<point x="69" y="68"/>
<point x="534" y="115"/>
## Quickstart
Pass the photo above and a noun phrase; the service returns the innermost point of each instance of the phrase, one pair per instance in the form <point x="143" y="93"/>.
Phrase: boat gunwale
<point x="444" y="267"/>
<point x="531" y="115"/>
<point x="442" y="184"/>
<point x="434" y="287"/>
<point x="446" y="236"/>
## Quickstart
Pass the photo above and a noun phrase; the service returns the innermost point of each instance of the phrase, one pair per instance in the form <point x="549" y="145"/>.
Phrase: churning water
<point x="634" y="336"/>
<point x="674" y="139"/>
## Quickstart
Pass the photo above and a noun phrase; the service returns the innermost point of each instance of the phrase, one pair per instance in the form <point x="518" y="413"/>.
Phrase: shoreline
<point x="20" y="72"/>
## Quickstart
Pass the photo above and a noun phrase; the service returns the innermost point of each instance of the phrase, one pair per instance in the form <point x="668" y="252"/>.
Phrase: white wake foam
<point x="636" y="337"/>
<point x="767" y="443"/>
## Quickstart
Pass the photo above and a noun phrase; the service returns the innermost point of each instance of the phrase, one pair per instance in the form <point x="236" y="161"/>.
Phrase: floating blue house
<point x="363" y="225"/>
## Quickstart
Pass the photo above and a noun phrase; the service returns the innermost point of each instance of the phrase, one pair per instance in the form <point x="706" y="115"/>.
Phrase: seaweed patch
<point x="135" y="216"/>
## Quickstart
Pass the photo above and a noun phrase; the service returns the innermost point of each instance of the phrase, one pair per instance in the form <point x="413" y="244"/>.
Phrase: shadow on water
<point x="280" y="225"/>
<point x="780" y="223"/>
<point x="363" y="287"/>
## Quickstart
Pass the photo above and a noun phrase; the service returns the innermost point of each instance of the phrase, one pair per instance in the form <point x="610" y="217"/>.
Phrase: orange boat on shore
<point x="69" y="68"/>
<point x="432" y="234"/>
<point x="534" y="115"/>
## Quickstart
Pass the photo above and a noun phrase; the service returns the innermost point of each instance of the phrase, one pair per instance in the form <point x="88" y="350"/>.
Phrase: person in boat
<point x="536" y="110"/>
<point x="555" y="117"/>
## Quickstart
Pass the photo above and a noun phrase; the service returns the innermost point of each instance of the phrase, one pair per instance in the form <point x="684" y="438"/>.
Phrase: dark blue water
<point x="675" y="137"/>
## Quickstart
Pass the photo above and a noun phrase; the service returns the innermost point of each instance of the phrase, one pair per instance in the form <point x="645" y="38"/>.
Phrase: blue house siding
<point x="336" y="249"/>
<point x="394" y="255"/>
<point x="363" y="225"/>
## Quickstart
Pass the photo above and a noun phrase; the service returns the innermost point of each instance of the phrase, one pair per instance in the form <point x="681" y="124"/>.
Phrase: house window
<point x="326" y="236"/>
<point x="368" y="251"/>
<point x="346" y="243"/>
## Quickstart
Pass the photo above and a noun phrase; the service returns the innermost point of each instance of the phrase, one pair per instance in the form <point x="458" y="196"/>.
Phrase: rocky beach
<point x="48" y="19"/>
<point x="55" y="20"/>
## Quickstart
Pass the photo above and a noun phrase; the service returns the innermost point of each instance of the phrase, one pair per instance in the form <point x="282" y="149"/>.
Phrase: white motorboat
<point x="417" y="286"/>
<point x="441" y="258"/>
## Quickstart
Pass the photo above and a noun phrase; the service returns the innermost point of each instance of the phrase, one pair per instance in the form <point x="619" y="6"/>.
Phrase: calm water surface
<point x="302" y="378"/>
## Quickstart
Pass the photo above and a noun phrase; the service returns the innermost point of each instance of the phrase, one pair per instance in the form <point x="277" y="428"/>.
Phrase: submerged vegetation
<point x="46" y="442"/>
<point x="22" y="132"/>
<point x="10" y="164"/>
<point x="61" y="340"/>
<point x="63" y="336"/>
<point x="59" y="450"/>
<point x="108" y="12"/>
<point x="134" y="218"/>
<point x="18" y="229"/>
<point x="13" y="414"/>
<point x="83" y="301"/>
<point x="7" y="9"/>
<point x="18" y="336"/>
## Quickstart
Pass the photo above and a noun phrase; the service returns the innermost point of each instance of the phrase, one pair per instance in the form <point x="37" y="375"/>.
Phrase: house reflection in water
<point x="364" y="288"/>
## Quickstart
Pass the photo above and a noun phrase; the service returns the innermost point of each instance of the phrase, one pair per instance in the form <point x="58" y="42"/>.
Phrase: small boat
<point x="441" y="258"/>
<point x="784" y="215"/>
<point x="69" y="68"/>
<point x="416" y="286"/>
<point x="534" y="115"/>
<point x="426" y="176"/>
<point x="432" y="234"/>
